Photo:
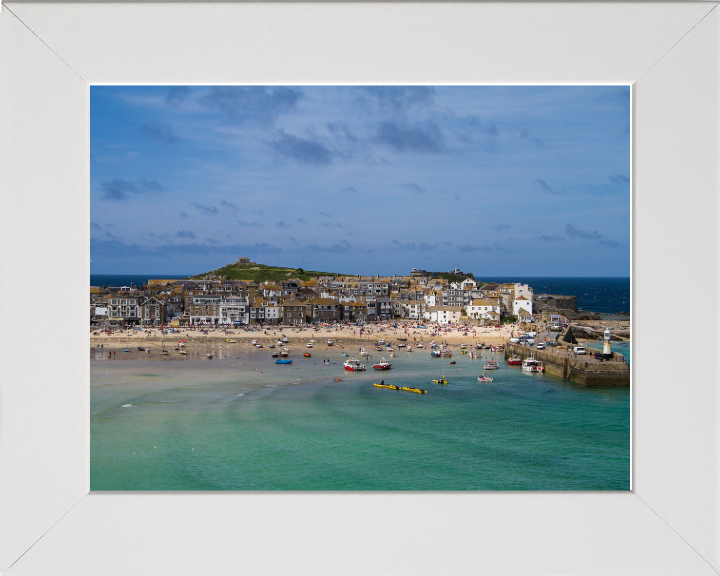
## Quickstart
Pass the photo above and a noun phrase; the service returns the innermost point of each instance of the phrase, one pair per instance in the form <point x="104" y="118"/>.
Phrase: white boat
<point x="330" y="342"/>
<point x="532" y="365"/>
<point x="419" y="345"/>
<point x="491" y="365"/>
<point x="285" y="339"/>
<point x="253" y="342"/>
<point x="354" y="365"/>
<point x="308" y="345"/>
<point x="363" y="353"/>
<point x="258" y="345"/>
<point x="483" y="378"/>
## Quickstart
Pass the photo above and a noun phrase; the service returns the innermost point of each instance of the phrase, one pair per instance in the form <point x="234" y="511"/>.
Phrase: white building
<point x="522" y="303"/>
<point x="443" y="314"/>
<point x="481" y="308"/>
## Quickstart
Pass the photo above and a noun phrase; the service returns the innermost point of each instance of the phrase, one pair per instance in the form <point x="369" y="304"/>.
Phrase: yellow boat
<point x="416" y="390"/>
<point x="231" y="341"/>
<point x="440" y="381"/>
<point x="390" y="386"/>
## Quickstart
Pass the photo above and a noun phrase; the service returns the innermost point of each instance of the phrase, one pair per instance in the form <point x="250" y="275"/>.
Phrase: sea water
<point x="242" y="422"/>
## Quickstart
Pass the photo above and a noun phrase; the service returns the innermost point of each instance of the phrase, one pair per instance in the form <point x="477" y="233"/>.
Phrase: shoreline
<point x="216" y="339"/>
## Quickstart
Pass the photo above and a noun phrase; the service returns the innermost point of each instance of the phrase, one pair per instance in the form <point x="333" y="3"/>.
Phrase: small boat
<point x="258" y="345"/>
<point x="275" y="354"/>
<point x="285" y="339"/>
<point x="453" y="361"/>
<point x="389" y="386"/>
<point x="345" y="355"/>
<point x="401" y="345"/>
<point x="307" y="354"/>
<point x="363" y="353"/>
<point x="419" y="345"/>
<point x="393" y="355"/>
<point x="389" y="349"/>
<point x="532" y="365"/>
<point x="338" y="379"/>
<point x="329" y="342"/>
<point x="416" y="390"/>
<point x="253" y="342"/>
<point x="409" y="348"/>
<point x="126" y="349"/>
<point x="283" y="361"/>
<point x="442" y="380"/>
<point x="354" y="365"/>
<point x="164" y="352"/>
<point x="209" y="355"/>
<point x="141" y="349"/>
<point x="435" y="353"/>
<point x="483" y="378"/>
<point x="447" y="354"/>
<point x="308" y="345"/>
<point x="491" y="365"/>
<point x="183" y="352"/>
<point x="514" y="360"/>
<point x="271" y="346"/>
<point x="463" y="346"/>
<point x="382" y="365"/>
<point x="231" y="340"/>
<point x="463" y="351"/>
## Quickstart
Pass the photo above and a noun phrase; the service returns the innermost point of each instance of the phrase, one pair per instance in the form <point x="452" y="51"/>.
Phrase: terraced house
<point x="123" y="307"/>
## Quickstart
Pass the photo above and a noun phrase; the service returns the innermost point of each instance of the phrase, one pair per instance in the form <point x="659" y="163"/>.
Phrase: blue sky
<point x="498" y="180"/>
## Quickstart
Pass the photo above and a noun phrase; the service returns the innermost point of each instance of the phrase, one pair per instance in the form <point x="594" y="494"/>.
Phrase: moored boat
<point x="382" y="365"/>
<point x="307" y="354"/>
<point x="354" y="365"/>
<point x="532" y="365"/>
<point x="283" y="361"/>
<point x="514" y="360"/>
<point x="491" y="365"/>
<point x="484" y="378"/>
<point x="442" y="380"/>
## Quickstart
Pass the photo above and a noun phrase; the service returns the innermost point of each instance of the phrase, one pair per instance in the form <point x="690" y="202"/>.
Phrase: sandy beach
<point x="343" y="336"/>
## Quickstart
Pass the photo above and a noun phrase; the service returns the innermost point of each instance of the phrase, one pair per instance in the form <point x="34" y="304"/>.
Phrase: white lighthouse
<point x="606" y="346"/>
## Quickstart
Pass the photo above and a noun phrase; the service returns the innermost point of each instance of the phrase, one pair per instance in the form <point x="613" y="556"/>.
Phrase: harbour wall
<point x="580" y="369"/>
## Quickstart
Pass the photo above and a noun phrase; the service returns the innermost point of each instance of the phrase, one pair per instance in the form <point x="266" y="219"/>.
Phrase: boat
<point x="345" y="355"/>
<point x="354" y="365"/>
<point x="271" y="346"/>
<point x="382" y="365"/>
<point x="491" y="365"/>
<point x="338" y="379"/>
<point x="126" y="349"/>
<point x="532" y="365"/>
<point x="253" y="342"/>
<point x="307" y="354"/>
<point x="393" y="355"/>
<point x="209" y="355"/>
<point x="442" y="380"/>
<point x="141" y="349"/>
<point x="275" y="354"/>
<point x="409" y="348"/>
<point x="514" y="360"/>
<point x="389" y="349"/>
<point x="283" y="361"/>
<point x="453" y="361"/>
<point x="463" y="346"/>
<point x="447" y="354"/>
<point x="419" y="345"/>
<point x="463" y="351"/>
<point x="499" y="348"/>
<point x="401" y="345"/>
<point x="231" y="340"/>
<point x="329" y="342"/>
<point x="416" y="390"/>
<point x="258" y="345"/>
<point x="183" y="351"/>
<point x="435" y="353"/>
<point x="308" y="345"/>
<point x="285" y="339"/>
<point x="483" y="378"/>
<point x="363" y="353"/>
<point x="389" y="386"/>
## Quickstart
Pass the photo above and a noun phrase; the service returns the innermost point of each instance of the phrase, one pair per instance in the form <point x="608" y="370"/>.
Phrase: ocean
<point x="603" y="295"/>
<point x="241" y="422"/>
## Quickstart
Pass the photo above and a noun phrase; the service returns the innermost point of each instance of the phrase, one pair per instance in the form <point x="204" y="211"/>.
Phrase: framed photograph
<point x="51" y="55"/>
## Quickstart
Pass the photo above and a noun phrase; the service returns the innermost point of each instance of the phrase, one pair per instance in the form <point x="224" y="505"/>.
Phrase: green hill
<point x="260" y="273"/>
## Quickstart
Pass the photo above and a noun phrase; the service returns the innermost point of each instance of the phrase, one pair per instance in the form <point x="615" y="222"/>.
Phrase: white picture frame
<point x="49" y="56"/>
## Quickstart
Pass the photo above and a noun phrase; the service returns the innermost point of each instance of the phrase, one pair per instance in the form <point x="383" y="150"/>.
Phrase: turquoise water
<point x="223" y="425"/>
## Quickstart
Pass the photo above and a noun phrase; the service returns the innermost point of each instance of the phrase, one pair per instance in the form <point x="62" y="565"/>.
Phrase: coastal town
<point x="327" y="299"/>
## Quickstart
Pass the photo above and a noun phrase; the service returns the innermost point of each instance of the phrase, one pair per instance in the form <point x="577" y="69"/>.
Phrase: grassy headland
<point x="260" y="273"/>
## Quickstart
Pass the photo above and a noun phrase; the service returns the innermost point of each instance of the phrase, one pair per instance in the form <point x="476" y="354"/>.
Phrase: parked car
<point x="541" y="346"/>
<point x="579" y="350"/>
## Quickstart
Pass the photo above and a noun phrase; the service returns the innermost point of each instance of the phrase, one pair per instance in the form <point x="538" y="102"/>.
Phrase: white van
<point x="579" y="350"/>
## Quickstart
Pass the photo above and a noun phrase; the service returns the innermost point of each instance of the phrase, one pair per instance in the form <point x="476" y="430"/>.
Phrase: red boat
<point x="514" y="360"/>
<point x="382" y="365"/>
<point x="354" y="365"/>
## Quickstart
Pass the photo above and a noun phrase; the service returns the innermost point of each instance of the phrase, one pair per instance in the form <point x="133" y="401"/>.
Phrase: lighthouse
<point x="607" y="353"/>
